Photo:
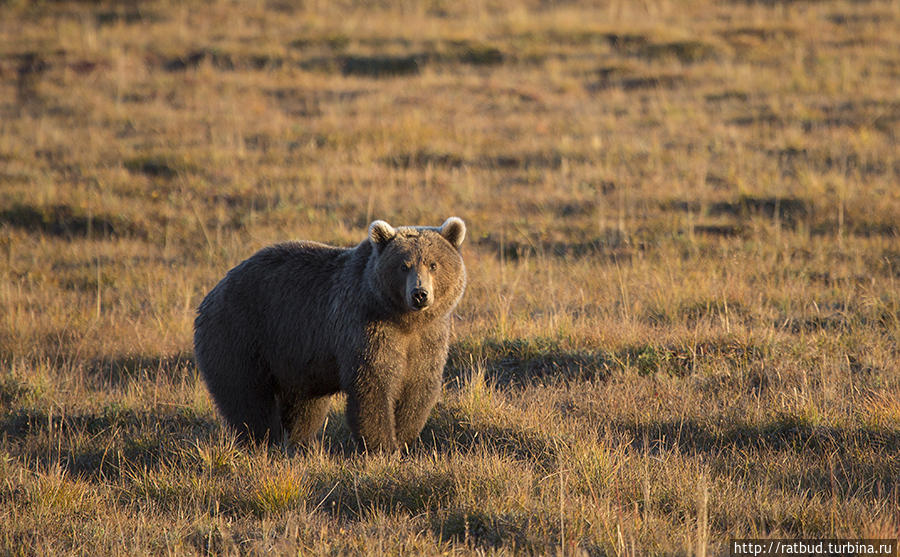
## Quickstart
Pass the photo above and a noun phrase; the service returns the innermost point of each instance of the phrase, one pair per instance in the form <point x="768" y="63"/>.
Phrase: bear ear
<point x="454" y="231"/>
<point x="381" y="233"/>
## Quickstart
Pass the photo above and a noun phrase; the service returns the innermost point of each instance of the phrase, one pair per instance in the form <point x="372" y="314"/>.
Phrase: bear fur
<point x="300" y="321"/>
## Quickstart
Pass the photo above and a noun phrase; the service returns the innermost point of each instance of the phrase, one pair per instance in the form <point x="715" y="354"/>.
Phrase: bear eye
<point x="404" y="267"/>
<point x="433" y="266"/>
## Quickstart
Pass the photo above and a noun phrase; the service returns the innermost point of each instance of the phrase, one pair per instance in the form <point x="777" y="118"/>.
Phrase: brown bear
<point x="300" y="321"/>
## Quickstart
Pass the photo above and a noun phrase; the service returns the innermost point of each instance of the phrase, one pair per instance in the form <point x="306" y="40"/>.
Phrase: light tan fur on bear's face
<point x="414" y="262"/>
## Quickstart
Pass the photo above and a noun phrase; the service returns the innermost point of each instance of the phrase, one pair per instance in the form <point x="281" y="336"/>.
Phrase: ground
<point x="683" y="310"/>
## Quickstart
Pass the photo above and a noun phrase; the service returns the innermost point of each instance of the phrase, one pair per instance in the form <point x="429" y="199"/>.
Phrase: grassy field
<point x="683" y="314"/>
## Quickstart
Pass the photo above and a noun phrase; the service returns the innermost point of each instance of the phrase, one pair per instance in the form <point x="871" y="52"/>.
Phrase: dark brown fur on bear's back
<point x="298" y="322"/>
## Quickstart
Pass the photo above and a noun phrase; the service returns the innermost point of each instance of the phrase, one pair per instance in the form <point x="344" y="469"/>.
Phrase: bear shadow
<point x="122" y="370"/>
<point x="99" y="445"/>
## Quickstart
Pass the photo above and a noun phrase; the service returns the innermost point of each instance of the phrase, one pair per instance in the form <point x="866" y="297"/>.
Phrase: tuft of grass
<point x="277" y="494"/>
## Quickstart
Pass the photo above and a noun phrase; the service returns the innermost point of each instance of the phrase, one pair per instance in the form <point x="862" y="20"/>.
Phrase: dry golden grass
<point x="683" y="315"/>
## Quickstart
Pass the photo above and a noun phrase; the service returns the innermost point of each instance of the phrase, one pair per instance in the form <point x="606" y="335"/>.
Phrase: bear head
<point x="418" y="268"/>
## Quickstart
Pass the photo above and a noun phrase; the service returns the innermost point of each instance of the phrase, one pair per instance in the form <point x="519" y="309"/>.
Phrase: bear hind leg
<point x="251" y="410"/>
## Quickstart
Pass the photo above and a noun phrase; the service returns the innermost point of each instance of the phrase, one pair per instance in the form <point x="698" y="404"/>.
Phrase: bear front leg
<point x="370" y="413"/>
<point x="414" y="406"/>
<point x="303" y="418"/>
<point x="422" y="383"/>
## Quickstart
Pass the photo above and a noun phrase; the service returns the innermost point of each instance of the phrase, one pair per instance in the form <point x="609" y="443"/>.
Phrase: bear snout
<point x="419" y="291"/>
<point x="420" y="298"/>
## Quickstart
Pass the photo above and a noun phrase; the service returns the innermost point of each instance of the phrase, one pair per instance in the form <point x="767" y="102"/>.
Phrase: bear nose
<point x="420" y="298"/>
